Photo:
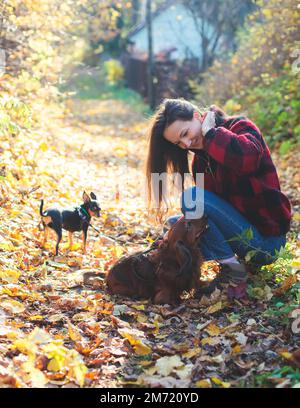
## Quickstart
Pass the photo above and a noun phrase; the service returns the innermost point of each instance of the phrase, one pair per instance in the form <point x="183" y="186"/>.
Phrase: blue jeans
<point x="225" y="222"/>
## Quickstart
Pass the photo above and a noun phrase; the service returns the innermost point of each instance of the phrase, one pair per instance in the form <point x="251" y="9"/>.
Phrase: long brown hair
<point x="164" y="156"/>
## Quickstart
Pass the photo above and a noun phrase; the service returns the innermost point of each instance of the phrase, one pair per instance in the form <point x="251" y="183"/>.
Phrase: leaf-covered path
<point x="60" y="328"/>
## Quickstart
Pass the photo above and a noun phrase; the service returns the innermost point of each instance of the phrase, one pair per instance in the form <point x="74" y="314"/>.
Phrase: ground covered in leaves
<point x="58" y="328"/>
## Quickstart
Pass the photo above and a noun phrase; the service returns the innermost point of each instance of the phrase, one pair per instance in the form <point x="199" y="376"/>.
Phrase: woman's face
<point x="186" y="134"/>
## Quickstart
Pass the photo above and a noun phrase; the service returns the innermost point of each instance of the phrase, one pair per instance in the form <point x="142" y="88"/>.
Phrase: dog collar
<point x="83" y="213"/>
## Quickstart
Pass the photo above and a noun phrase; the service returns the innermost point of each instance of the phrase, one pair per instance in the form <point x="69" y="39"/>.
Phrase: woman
<point x="241" y="186"/>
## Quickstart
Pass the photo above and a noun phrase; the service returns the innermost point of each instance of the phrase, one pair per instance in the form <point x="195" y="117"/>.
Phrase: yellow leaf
<point x="16" y="234"/>
<point x="9" y="332"/>
<point x="192" y="353"/>
<point x="25" y="346"/>
<point x="7" y="246"/>
<point x="14" y="213"/>
<point x="57" y="354"/>
<point x="139" y="347"/>
<point x="74" y="332"/>
<point x="19" y="162"/>
<point x="43" y="147"/>
<point x="118" y="251"/>
<point x="54" y="365"/>
<point x="236" y="349"/>
<point x="65" y="194"/>
<point x="212" y="329"/>
<point x="203" y="383"/>
<point x="286" y="355"/>
<point x="288" y="283"/>
<point x="56" y="317"/>
<point x="157" y="325"/>
<point x="13" y="306"/>
<point x="138" y="307"/>
<point x="35" y="317"/>
<point x="79" y="371"/>
<point x="217" y="381"/>
<point x="212" y="341"/>
<point x="215" y="308"/>
<point x="9" y="275"/>
<point x="141" y="318"/>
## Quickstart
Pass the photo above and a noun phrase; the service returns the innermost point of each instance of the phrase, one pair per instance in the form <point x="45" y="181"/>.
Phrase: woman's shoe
<point x="233" y="277"/>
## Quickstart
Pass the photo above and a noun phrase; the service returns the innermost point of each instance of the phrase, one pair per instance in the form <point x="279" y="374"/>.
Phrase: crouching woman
<point x="241" y="187"/>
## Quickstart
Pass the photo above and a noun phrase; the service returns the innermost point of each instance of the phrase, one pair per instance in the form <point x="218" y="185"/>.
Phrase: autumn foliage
<point x="59" y="326"/>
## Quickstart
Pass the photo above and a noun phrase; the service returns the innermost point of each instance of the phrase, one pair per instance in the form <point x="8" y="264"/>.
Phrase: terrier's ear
<point x="93" y="196"/>
<point x="85" y="197"/>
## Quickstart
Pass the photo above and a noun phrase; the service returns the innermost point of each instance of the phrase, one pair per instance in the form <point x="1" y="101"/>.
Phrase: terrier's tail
<point x="43" y="214"/>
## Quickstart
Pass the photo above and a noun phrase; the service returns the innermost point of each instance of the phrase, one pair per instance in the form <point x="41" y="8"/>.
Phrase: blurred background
<point x="242" y="55"/>
<point x="79" y="81"/>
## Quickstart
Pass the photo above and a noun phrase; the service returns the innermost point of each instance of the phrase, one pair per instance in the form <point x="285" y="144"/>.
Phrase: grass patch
<point x="93" y="84"/>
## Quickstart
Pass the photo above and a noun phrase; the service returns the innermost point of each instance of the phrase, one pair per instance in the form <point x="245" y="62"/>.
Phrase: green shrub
<point x="114" y="71"/>
<point x="274" y="108"/>
<point x="258" y="78"/>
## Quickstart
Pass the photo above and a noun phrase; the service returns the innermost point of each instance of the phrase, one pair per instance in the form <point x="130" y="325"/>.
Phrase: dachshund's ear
<point x="183" y="257"/>
<point x="180" y="252"/>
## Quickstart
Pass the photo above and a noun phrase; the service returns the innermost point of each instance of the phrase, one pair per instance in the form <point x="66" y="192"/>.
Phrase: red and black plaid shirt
<point x="237" y="166"/>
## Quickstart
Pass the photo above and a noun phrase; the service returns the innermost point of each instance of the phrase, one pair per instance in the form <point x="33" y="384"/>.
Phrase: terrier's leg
<point x="46" y="233"/>
<point x="59" y="236"/>
<point x="70" y="240"/>
<point x="84" y="242"/>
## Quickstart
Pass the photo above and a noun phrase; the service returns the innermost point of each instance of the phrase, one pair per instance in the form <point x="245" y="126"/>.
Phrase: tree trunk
<point x="135" y="12"/>
<point x="150" y="70"/>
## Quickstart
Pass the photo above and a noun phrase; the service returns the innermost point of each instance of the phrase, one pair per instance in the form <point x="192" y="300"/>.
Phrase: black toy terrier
<point x="74" y="219"/>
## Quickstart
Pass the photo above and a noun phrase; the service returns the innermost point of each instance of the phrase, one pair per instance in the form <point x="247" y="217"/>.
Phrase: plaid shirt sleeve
<point x="240" y="148"/>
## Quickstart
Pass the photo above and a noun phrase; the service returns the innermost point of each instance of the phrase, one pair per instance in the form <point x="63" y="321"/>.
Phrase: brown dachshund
<point x="181" y="260"/>
<point x="162" y="274"/>
<point x="134" y="275"/>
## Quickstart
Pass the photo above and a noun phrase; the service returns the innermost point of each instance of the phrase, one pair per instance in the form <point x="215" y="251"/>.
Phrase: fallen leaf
<point x="166" y="365"/>
<point x="9" y="275"/>
<point x="132" y="336"/>
<point x="215" y="308"/>
<point x="204" y="383"/>
<point x="213" y="330"/>
<point x="286" y="285"/>
<point x="217" y="381"/>
<point x="12" y="306"/>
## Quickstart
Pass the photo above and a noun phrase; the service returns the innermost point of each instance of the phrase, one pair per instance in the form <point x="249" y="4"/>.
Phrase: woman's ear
<point x="197" y="115"/>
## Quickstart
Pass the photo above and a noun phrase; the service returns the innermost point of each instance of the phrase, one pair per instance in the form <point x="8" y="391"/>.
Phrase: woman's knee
<point x="170" y="221"/>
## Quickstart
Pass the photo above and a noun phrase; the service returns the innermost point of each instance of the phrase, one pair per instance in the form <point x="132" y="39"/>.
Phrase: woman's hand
<point x="209" y="122"/>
